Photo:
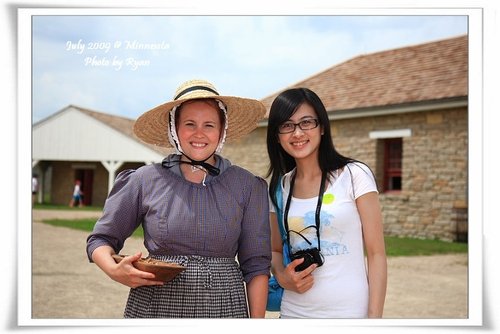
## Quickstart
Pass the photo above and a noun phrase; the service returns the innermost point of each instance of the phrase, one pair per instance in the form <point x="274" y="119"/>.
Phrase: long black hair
<point x="282" y="108"/>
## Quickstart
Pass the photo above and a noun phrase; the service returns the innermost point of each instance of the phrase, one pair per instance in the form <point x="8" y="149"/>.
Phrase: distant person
<point x="77" y="198"/>
<point x="34" y="188"/>
<point x="331" y="215"/>
<point x="196" y="209"/>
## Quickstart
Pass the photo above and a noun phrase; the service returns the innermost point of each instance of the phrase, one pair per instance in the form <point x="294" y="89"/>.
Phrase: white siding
<point x="75" y="136"/>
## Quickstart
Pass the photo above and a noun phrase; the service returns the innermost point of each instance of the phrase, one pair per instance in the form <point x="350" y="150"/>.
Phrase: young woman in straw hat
<point x="196" y="209"/>
<point x="330" y="213"/>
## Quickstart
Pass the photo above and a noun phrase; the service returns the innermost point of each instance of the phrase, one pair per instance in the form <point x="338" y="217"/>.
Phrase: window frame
<point x="393" y="155"/>
<point x="385" y="137"/>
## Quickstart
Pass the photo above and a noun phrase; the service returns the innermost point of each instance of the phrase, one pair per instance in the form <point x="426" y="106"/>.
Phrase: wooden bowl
<point x="164" y="271"/>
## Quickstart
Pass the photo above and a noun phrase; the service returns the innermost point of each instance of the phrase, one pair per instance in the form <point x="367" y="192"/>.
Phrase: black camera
<point x="310" y="255"/>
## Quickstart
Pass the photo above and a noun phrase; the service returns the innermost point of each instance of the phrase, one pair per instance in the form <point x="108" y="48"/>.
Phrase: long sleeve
<point x="121" y="214"/>
<point x="254" y="253"/>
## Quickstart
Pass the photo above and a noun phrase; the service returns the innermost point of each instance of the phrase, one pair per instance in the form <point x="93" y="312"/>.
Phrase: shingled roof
<point x="414" y="74"/>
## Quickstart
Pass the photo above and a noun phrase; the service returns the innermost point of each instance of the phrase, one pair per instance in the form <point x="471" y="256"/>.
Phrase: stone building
<point x="405" y="113"/>
<point x="402" y="111"/>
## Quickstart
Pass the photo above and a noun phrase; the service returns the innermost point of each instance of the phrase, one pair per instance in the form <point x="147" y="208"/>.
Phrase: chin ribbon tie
<point x="212" y="170"/>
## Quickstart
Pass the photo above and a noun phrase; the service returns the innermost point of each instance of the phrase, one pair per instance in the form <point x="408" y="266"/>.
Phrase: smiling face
<point x="302" y="144"/>
<point x="199" y="129"/>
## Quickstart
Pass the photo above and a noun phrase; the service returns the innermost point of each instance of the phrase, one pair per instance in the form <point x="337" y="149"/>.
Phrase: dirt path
<point x="67" y="286"/>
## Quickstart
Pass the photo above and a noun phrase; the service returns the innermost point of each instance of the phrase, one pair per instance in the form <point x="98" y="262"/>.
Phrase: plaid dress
<point x="219" y="230"/>
<point x="210" y="287"/>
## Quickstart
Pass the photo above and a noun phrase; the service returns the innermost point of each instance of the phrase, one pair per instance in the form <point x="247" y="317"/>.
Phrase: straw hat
<point x="242" y="114"/>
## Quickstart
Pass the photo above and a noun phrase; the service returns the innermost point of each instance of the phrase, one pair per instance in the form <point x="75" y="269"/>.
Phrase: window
<point x="393" y="155"/>
<point x="389" y="165"/>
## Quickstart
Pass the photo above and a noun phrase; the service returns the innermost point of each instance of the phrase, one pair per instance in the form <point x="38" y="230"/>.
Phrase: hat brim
<point x="243" y="115"/>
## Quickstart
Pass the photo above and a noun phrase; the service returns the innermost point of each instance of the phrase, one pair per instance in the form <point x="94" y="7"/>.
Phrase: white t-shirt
<point x="340" y="287"/>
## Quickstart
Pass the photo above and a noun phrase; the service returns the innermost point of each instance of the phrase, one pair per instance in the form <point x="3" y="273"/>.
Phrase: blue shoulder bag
<point x="275" y="292"/>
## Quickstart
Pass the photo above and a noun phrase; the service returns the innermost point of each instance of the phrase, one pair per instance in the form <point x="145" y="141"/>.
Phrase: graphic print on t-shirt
<point x="331" y="237"/>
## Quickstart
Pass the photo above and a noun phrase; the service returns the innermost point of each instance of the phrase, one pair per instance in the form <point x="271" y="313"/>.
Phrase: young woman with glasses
<point x="331" y="215"/>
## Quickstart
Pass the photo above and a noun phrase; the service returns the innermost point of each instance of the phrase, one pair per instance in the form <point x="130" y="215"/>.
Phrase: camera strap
<point x="317" y="213"/>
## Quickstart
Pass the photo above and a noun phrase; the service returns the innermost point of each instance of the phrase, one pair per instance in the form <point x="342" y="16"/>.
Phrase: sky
<point x="127" y="64"/>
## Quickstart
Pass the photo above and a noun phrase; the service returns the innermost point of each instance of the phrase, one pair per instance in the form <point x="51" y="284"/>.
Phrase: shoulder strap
<point x="279" y="215"/>
<point x="279" y="209"/>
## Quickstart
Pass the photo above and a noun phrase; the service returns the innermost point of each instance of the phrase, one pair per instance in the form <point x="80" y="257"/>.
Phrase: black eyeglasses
<point x="307" y="124"/>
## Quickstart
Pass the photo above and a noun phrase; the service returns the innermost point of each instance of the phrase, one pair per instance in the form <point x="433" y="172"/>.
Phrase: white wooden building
<point x="77" y="143"/>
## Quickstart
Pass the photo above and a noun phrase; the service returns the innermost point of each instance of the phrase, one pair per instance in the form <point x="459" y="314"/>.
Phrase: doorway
<point x="86" y="177"/>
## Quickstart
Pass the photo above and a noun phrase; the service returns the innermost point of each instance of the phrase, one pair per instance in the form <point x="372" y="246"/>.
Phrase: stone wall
<point x="249" y="152"/>
<point x="63" y="182"/>
<point x="435" y="162"/>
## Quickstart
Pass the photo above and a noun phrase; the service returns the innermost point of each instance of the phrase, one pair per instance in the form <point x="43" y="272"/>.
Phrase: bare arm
<point x="373" y="236"/>
<point x="123" y="272"/>
<point x="257" y="296"/>
<point x="287" y="277"/>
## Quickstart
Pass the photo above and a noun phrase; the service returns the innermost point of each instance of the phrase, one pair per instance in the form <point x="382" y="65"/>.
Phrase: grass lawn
<point x="394" y="246"/>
